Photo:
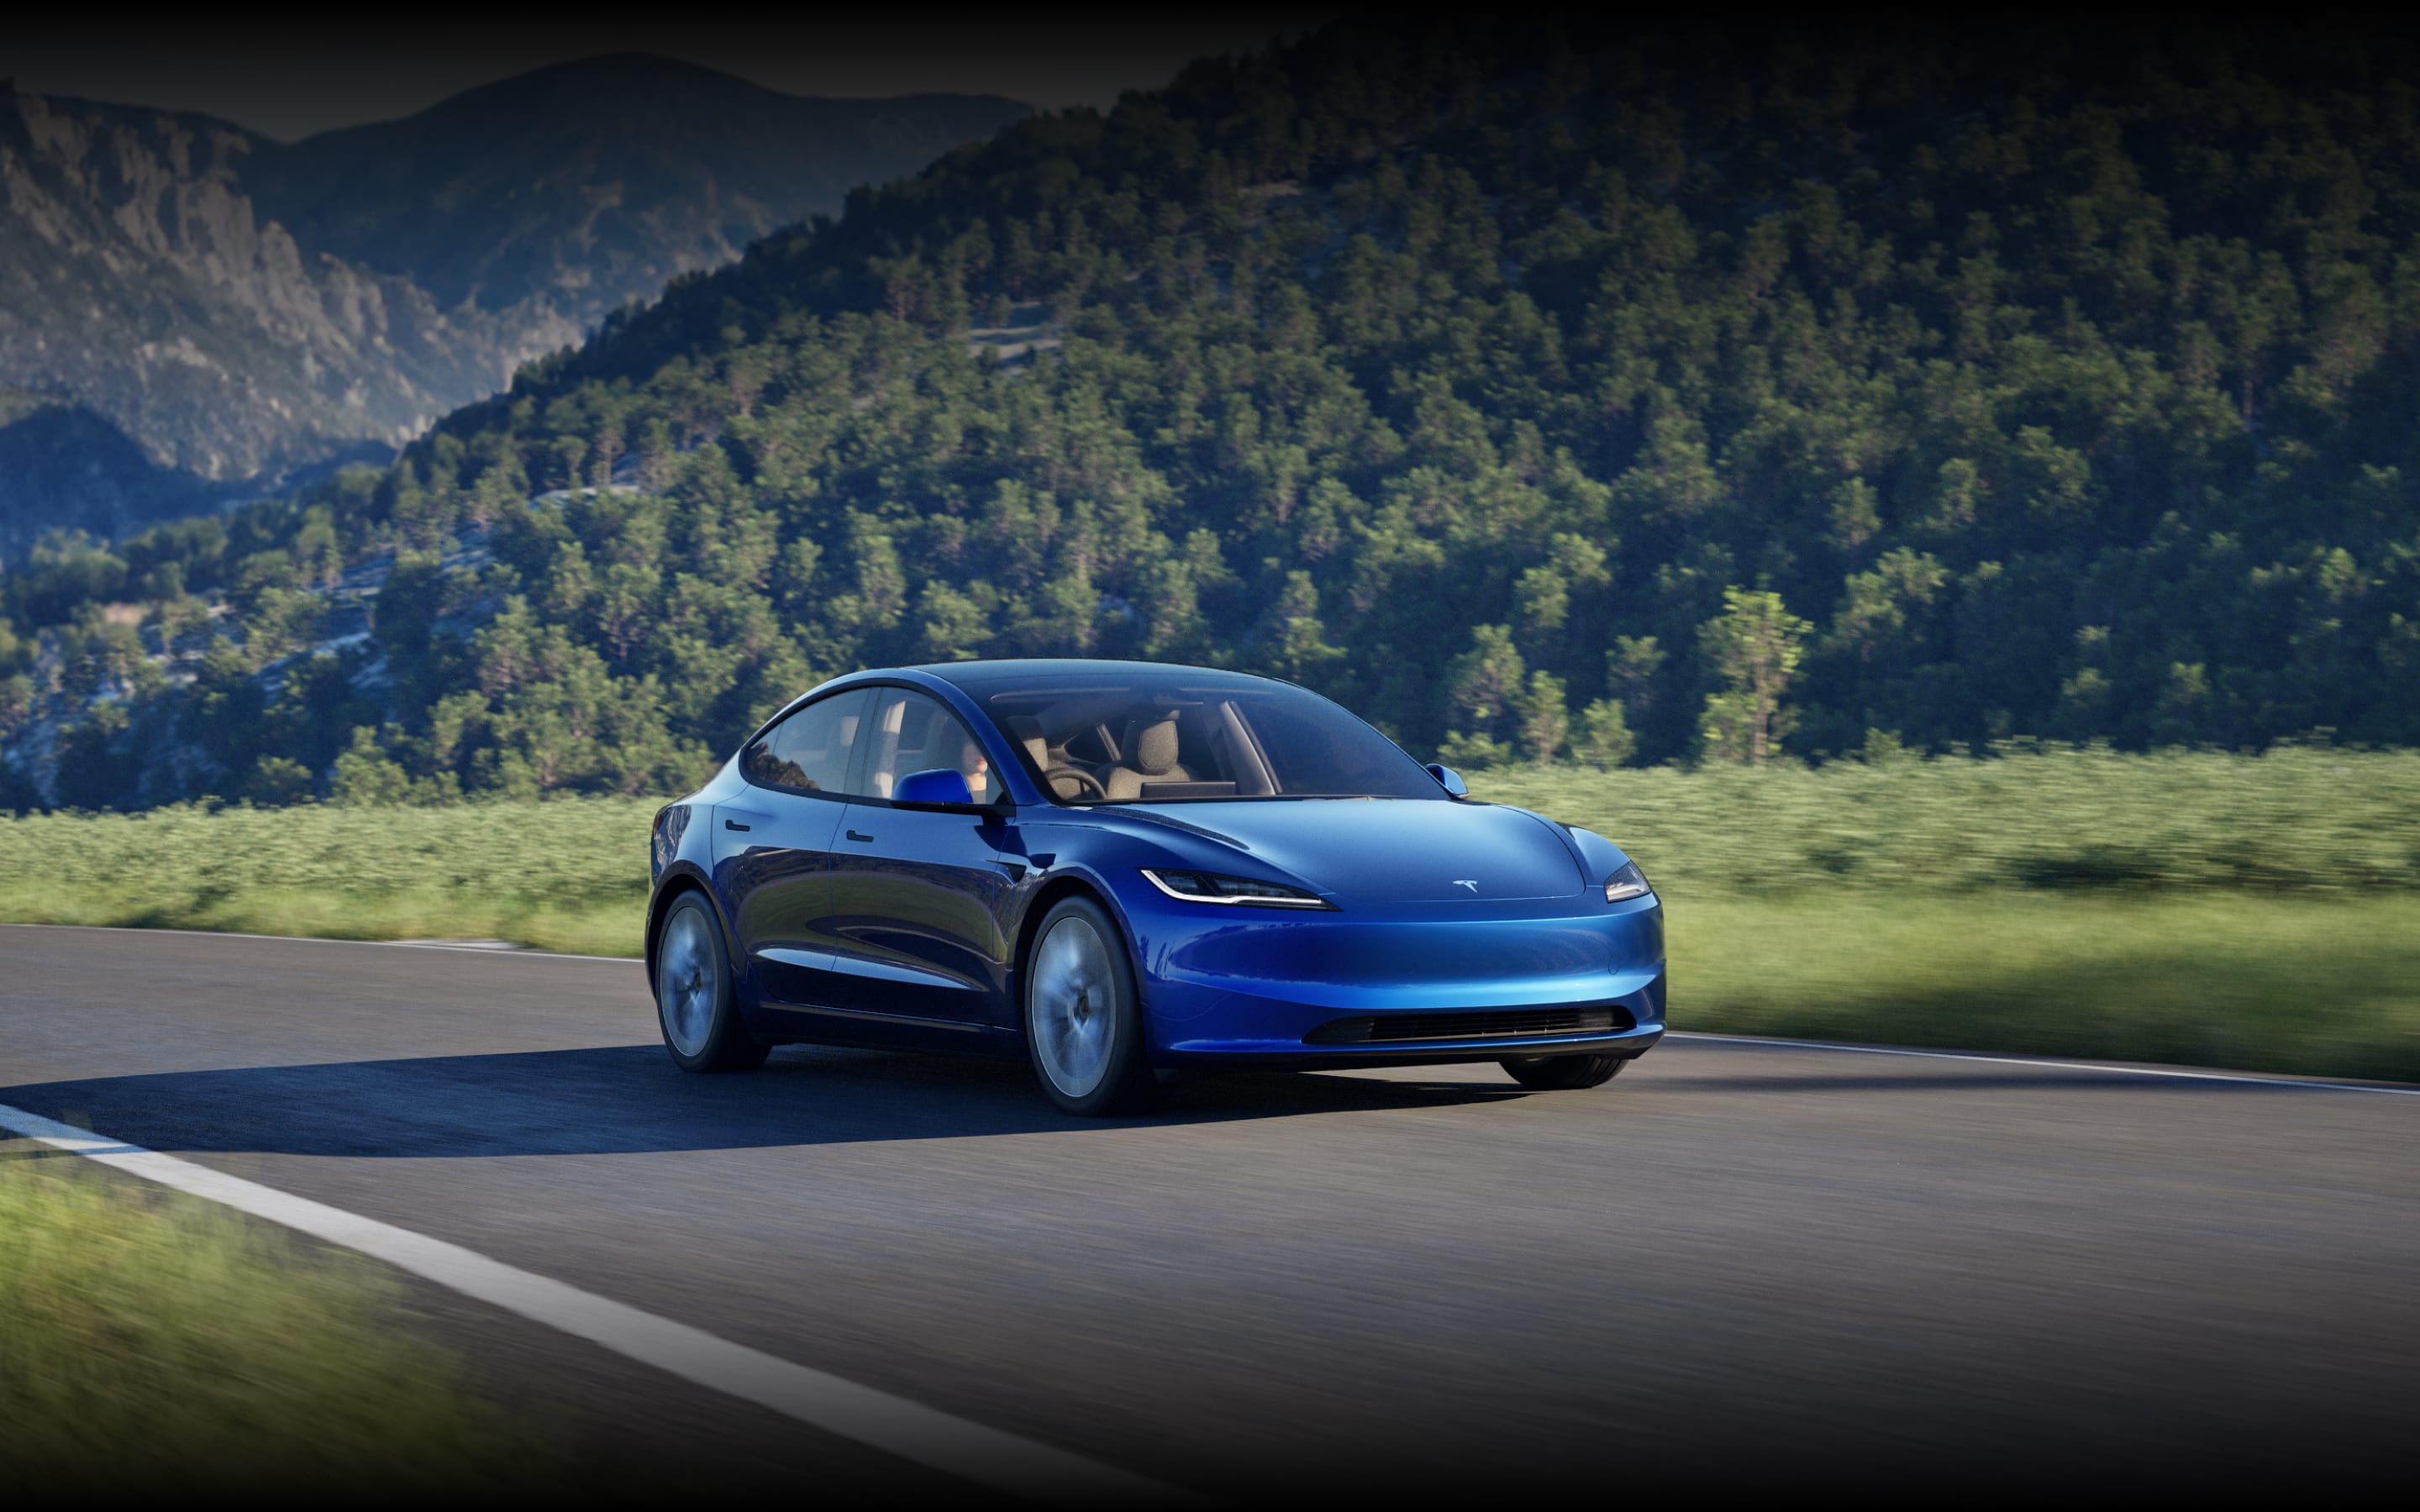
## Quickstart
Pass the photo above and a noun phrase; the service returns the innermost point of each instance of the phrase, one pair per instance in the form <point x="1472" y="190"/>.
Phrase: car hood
<point x="1410" y="850"/>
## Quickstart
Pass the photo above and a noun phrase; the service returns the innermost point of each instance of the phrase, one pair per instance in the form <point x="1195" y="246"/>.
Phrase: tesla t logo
<point x="1472" y="884"/>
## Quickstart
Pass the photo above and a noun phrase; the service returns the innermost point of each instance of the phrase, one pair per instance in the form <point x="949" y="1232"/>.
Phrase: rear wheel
<point x="1564" y="1073"/>
<point x="694" y="1005"/>
<point x="1083" y="1019"/>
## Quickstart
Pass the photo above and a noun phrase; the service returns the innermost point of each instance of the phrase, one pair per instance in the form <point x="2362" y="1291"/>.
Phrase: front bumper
<point x="1297" y="1056"/>
<point x="1272" y="990"/>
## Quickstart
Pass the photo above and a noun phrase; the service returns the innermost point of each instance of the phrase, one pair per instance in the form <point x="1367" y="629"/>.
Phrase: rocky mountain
<point x="190" y="311"/>
<point x="593" y="183"/>
<point x="148" y="305"/>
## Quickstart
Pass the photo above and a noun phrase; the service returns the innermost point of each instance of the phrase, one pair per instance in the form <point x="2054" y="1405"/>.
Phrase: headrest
<point x="1154" y="748"/>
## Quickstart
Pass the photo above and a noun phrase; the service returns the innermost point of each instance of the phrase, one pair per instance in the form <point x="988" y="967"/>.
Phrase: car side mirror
<point x="1450" y="779"/>
<point x="943" y="789"/>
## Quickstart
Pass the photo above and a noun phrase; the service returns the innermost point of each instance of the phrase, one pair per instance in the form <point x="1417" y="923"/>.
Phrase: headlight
<point x="1626" y="884"/>
<point x="1210" y="887"/>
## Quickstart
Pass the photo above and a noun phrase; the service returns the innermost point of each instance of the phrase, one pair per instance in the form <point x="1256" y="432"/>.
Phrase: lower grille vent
<point x="1477" y="1023"/>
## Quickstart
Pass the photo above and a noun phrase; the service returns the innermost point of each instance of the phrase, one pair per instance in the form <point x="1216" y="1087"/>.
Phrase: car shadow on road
<point x="630" y="1099"/>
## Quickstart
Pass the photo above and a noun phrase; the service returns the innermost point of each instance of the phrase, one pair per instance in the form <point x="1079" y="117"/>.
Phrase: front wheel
<point x="693" y="999"/>
<point x="1564" y="1073"/>
<point x="1083" y="1019"/>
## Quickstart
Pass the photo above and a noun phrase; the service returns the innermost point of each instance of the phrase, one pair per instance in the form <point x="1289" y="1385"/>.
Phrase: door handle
<point x="734" y="823"/>
<point x="854" y="834"/>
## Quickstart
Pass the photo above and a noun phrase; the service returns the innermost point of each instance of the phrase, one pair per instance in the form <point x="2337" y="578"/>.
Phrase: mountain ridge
<point x="151" y="272"/>
<point x="358" y="193"/>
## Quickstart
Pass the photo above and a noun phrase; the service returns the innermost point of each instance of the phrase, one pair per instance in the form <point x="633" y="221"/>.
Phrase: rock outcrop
<point x="236" y="308"/>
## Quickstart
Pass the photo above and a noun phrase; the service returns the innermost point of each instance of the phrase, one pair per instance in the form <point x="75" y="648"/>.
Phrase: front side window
<point x="911" y="731"/>
<point x="811" y="751"/>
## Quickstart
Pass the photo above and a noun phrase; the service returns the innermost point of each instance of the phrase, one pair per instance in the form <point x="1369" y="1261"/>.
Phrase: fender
<point x="680" y="831"/>
<point x="687" y="876"/>
<point x="1063" y="879"/>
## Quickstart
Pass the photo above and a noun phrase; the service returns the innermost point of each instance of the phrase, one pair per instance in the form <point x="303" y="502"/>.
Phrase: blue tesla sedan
<point x="1120" y="868"/>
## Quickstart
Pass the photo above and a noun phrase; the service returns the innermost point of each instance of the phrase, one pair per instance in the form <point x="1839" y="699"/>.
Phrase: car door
<point x="772" y="845"/>
<point x="916" y="895"/>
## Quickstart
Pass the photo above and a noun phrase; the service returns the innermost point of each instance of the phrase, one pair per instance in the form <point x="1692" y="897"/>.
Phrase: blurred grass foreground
<point x="2260" y="913"/>
<point x="150" y="1343"/>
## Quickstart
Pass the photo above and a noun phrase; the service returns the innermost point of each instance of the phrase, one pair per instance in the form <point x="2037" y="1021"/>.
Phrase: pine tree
<point x="1754" y="647"/>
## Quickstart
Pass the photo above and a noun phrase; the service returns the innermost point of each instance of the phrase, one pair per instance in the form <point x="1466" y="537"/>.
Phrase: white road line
<point x="921" y="1434"/>
<point x="2104" y="1067"/>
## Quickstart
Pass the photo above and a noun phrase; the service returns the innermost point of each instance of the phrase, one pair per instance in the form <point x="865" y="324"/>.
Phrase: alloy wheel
<point x="685" y="981"/>
<point x="1074" y="1007"/>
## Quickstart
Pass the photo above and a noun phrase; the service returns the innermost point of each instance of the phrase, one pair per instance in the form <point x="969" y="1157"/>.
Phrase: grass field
<point x="2296" y="820"/>
<point x="2218" y="910"/>
<point x="2280" y="983"/>
<point x="566" y="875"/>
<point x="151" y="1343"/>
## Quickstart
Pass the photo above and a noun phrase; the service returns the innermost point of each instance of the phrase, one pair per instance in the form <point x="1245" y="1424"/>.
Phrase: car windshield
<point x="1176" y="737"/>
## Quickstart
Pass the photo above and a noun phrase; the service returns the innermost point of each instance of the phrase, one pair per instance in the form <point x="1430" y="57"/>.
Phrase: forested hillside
<point x="1624" y="396"/>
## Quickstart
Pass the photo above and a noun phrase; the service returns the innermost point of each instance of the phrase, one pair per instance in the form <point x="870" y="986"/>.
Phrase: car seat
<point x="1061" y="774"/>
<point x="1151" y="757"/>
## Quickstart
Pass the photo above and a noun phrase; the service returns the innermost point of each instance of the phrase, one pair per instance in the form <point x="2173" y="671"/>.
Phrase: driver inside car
<point x="976" y="768"/>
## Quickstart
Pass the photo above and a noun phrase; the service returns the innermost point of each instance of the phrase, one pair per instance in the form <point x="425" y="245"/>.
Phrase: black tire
<point x="694" y="1005"/>
<point x="1082" y="1014"/>
<point x="1564" y="1073"/>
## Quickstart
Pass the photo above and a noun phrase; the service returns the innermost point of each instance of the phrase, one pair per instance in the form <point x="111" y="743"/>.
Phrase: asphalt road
<point x="1738" y="1263"/>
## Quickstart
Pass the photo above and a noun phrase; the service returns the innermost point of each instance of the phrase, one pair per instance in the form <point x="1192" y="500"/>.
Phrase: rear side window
<point x="810" y="751"/>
